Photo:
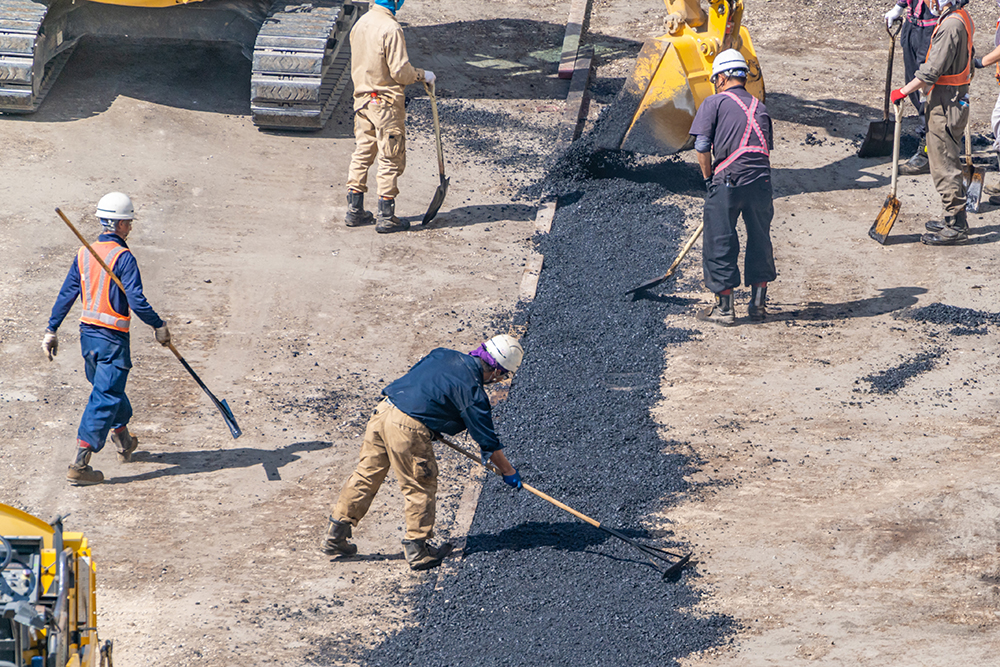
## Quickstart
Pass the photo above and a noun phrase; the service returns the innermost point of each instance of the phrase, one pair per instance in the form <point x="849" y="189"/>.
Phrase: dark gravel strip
<point x="941" y="313"/>
<point x="892" y="380"/>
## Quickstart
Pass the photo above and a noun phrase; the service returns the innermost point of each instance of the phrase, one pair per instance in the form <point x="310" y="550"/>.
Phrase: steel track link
<point x="32" y="54"/>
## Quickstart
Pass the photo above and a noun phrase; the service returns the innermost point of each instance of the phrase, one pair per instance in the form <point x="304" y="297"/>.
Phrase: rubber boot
<point x="757" y="310"/>
<point x="335" y="541"/>
<point x="721" y="313"/>
<point x="955" y="231"/>
<point x="918" y="164"/>
<point x="423" y="556"/>
<point x="80" y="473"/>
<point x="387" y="222"/>
<point x="356" y="213"/>
<point x="125" y="443"/>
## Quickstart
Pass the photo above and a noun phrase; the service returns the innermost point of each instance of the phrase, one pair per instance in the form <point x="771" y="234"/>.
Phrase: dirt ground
<point x="834" y="523"/>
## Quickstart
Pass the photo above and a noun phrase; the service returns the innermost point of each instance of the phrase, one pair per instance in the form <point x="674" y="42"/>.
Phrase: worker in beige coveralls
<point x="945" y="77"/>
<point x="380" y="70"/>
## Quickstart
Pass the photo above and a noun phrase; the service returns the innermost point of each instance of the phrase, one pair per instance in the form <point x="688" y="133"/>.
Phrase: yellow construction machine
<point x="299" y="48"/>
<point x="655" y="108"/>
<point x="48" y="600"/>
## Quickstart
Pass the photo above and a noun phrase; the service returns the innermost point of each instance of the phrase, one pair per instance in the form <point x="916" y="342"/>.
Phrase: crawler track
<point x="31" y="56"/>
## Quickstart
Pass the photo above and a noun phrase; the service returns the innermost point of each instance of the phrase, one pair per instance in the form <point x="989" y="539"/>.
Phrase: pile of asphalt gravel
<point x="893" y="379"/>
<point x="967" y="318"/>
<point x="537" y="586"/>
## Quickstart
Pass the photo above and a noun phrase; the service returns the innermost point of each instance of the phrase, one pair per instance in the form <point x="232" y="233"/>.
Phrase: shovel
<point x="890" y="209"/>
<point x="673" y="267"/>
<point x="973" y="177"/>
<point x="223" y="407"/>
<point x="442" y="189"/>
<point x="878" y="143"/>
<point x="660" y="555"/>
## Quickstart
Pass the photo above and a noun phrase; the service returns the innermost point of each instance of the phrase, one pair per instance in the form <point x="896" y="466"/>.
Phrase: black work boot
<point x="80" y="473"/>
<point x="757" y="310"/>
<point x="423" y="556"/>
<point x="125" y="443"/>
<point x="918" y="164"/>
<point x="387" y="222"/>
<point x="954" y="231"/>
<point x="335" y="541"/>
<point x="721" y="313"/>
<point x="356" y="213"/>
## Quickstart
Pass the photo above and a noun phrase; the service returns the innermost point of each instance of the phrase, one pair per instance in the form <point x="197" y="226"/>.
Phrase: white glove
<point x="162" y="335"/>
<point x="50" y="345"/>
<point x="429" y="76"/>
<point x="893" y="15"/>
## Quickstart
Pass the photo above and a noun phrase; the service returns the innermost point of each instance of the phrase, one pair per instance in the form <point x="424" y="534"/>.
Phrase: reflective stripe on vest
<point x="914" y="16"/>
<point x="965" y="76"/>
<point x="95" y="286"/>
<point x="753" y="125"/>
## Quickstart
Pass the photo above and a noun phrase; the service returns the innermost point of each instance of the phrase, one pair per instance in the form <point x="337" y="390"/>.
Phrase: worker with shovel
<point x="380" y="69"/>
<point x="104" y="335"/>
<point x="945" y="78"/>
<point x="735" y="127"/>
<point x="443" y="393"/>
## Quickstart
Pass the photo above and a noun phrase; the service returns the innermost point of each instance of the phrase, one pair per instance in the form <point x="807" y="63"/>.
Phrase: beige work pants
<point x="379" y="131"/>
<point x="394" y="440"/>
<point x="946" y="121"/>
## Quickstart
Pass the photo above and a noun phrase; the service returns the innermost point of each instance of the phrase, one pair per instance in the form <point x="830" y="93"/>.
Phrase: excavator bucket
<point x="655" y="108"/>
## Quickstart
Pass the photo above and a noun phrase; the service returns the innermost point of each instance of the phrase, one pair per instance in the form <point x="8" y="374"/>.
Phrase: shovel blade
<point x="439" y="194"/>
<point x="652" y="283"/>
<point x="886" y="218"/>
<point x="227" y="414"/>
<point x="878" y="142"/>
<point x="974" y="190"/>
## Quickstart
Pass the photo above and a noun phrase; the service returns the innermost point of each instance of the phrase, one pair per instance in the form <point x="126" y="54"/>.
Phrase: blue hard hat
<point x="392" y="5"/>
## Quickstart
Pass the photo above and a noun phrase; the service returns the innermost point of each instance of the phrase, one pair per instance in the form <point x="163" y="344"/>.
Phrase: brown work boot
<point x="721" y="313"/>
<point x="356" y="213"/>
<point x="423" y="556"/>
<point x="917" y="165"/>
<point x="954" y="231"/>
<point x="335" y="541"/>
<point x="387" y="222"/>
<point x="80" y="473"/>
<point x="757" y="310"/>
<point x="125" y="443"/>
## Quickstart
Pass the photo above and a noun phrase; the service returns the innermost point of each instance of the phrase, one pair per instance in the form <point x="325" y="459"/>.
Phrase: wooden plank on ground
<point x="578" y="11"/>
<point x="576" y="100"/>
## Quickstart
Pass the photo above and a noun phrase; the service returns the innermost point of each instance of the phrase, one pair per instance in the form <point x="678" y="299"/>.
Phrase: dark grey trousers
<point x="721" y="245"/>
<point x="916" y="41"/>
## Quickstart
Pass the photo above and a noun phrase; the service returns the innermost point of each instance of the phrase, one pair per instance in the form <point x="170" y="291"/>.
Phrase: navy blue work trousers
<point x="107" y="364"/>
<point x="721" y="245"/>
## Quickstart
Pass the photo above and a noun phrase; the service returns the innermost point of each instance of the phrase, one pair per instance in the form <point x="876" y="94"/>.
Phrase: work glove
<point x="50" y="344"/>
<point x="429" y="76"/>
<point x="897" y="96"/>
<point x="513" y="480"/>
<point x="893" y="15"/>
<point x="162" y="335"/>
<point x="978" y="62"/>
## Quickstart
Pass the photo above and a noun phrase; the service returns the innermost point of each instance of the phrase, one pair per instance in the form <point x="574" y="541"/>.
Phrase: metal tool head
<point x="227" y="414"/>
<point x="675" y="569"/>
<point x="886" y="218"/>
<point x="438" y="199"/>
<point x="973" y="177"/>
<point x="878" y="141"/>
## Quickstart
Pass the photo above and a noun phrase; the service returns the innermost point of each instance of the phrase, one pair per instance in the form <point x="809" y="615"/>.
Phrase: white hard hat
<point x="115" y="206"/>
<point x="729" y="59"/>
<point x="506" y="351"/>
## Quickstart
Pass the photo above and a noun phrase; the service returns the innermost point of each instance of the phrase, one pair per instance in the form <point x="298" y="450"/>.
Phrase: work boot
<point x="356" y="213"/>
<point x="125" y="444"/>
<point x="387" y="222"/>
<point x="721" y="313"/>
<point x="918" y="164"/>
<point x="757" y="310"/>
<point x="335" y="541"/>
<point x="423" y="556"/>
<point x="80" y="473"/>
<point x="954" y="231"/>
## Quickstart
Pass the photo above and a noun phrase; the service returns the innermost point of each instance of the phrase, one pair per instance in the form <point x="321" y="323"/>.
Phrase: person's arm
<point x="128" y="272"/>
<point x="67" y="296"/>
<point x="989" y="59"/>
<point x="705" y="162"/>
<point x="397" y="60"/>
<point x="478" y="419"/>
<point x="499" y="459"/>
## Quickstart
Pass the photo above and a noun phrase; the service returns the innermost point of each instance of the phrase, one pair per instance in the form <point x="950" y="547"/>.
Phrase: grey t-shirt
<point x="722" y="122"/>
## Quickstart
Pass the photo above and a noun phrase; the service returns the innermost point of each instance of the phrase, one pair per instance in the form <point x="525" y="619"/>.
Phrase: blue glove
<point x="513" y="480"/>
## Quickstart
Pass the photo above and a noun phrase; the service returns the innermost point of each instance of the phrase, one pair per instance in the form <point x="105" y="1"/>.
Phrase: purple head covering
<point x="485" y="356"/>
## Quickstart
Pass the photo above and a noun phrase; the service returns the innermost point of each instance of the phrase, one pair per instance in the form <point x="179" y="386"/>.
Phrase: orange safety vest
<point x="965" y="76"/>
<point x="95" y="286"/>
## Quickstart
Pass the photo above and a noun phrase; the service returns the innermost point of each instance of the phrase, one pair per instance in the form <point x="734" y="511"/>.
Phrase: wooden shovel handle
<point x="968" y="149"/>
<point x="430" y="88"/>
<point x="91" y="249"/>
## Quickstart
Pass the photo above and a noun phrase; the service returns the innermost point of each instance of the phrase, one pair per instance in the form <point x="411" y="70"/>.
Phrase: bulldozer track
<point x="30" y="57"/>
<point x="301" y="62"/>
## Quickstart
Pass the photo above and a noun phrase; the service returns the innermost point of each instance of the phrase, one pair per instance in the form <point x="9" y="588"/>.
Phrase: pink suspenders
<point x="752" y="124"/>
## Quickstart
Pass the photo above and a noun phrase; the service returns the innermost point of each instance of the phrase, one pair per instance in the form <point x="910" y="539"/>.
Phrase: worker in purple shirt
<point x="733" y="127"/>
<point x="104" y="335"/>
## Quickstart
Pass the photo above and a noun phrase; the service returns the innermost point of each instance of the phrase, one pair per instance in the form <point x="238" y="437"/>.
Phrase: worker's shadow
<point x="466" y="216"/>
<point x="891" y="300"/>
<point x="191" y="463"/>
<point x="978" y="235"/>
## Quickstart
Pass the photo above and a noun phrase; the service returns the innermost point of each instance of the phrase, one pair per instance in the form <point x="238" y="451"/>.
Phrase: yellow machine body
<point x="656" y="106"/>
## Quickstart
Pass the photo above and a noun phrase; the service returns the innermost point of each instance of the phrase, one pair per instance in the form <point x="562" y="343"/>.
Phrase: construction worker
<point x="734" y="126"/>
<point x="380" y="70"/>
<point x="945" y="77"/>
<point x="915" y="38"/>
<point x="443" y="393"/>
<point x="104" y="335"/>
<point x="993" y="58"/>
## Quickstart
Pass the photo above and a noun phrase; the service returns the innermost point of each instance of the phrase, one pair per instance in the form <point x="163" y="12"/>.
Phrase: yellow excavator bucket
<point x="655" y="108"/>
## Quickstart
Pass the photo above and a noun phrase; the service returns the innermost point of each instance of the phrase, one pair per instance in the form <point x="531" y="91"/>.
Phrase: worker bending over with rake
<point x="734" y="126"/>
<point x="380" y="69"/>
<point x="443" y="393"/>
<point x="945" y="77"/>
<point x="104" y="335"/>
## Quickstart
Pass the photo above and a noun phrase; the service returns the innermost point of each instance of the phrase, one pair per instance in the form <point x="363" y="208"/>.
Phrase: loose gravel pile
<point x="892" y="380"/>
<point x="967" y="318"/>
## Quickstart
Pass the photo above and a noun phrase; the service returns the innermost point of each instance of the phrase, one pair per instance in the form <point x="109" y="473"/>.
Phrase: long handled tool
<point x="442" y="188"/>
<point x="973" y="177"/>
<point x="878" y="142"/>
<point x="223" y="407"/>
<point x="673" y="267"/>
<point x="656" y="555"/>
<point x="890" y="209"/>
